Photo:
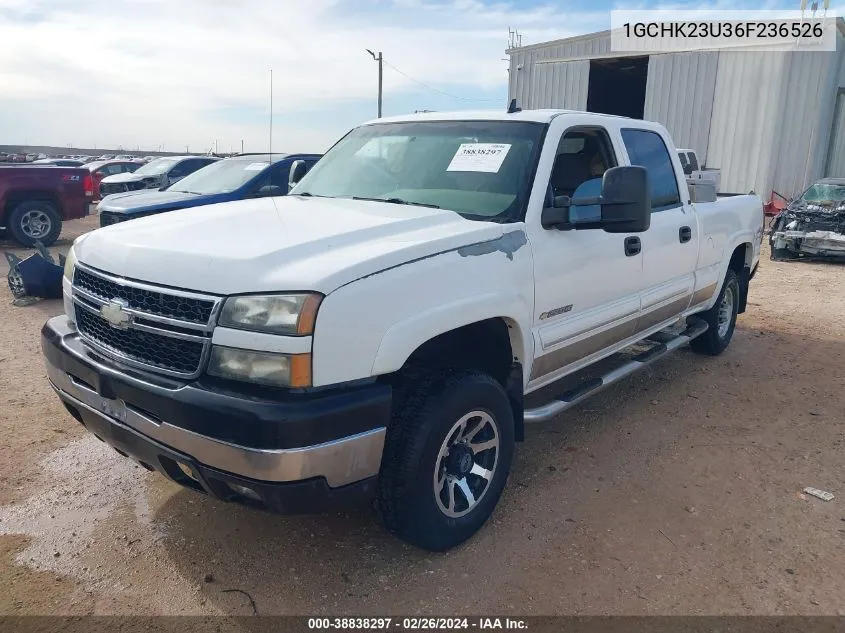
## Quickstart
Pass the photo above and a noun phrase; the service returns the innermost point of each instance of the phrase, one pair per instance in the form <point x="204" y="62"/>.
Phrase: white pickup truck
<point x="382" y="331"/>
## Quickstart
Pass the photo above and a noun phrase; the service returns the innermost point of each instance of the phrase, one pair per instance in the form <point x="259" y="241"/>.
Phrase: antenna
<point x="270" y="144"/>
<point x="512" y="108"/>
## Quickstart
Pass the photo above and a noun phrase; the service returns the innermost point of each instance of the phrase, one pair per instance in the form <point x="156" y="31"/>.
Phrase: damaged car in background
<point x="156" y="174"/>
<point x="813" y="225"/>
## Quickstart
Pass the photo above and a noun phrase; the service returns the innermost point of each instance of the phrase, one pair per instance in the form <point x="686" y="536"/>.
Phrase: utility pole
<point x="242" y="146"/>
<point x="380" y="61"/>
<point x="270" y="144"/>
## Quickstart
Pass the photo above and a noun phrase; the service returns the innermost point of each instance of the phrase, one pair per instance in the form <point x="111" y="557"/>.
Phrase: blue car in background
<point x="235" y="178"/>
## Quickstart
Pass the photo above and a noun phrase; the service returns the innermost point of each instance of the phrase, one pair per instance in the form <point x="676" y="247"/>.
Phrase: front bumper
<point x="296" y="454"/>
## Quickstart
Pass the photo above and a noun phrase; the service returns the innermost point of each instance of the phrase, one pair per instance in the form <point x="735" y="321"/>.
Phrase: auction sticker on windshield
<point x="486" y="157"/>
<point x="255" y="166"/>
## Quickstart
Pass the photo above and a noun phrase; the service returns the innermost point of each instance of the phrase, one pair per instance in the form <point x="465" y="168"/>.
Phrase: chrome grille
<point x="161" y="352"/>
<point x="157" y="302"/>
<point x="164" y="330"/>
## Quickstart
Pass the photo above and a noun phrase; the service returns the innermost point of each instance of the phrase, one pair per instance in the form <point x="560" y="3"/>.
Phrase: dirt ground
<point x="676" y="492"/>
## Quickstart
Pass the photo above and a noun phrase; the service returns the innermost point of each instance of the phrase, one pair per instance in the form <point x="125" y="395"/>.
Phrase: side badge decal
<point x="555" y="312"/>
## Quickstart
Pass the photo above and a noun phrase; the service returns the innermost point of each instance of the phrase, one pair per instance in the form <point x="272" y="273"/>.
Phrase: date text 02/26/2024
<point x="417" y="624"/>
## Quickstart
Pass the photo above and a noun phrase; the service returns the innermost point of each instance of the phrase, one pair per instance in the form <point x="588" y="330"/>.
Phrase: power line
<point x="443" y="92"/>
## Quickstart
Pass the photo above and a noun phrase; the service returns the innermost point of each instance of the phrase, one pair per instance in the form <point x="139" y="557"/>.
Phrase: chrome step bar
<point x="570" y="398"/>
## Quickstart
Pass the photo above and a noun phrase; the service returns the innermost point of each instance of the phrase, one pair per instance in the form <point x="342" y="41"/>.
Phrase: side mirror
<point x="269" y="191"/>
<point x="556" y="212"/>
<point x="625" y="204"/>
<point x="625" y="200"/>
<point x="297" y="170"/>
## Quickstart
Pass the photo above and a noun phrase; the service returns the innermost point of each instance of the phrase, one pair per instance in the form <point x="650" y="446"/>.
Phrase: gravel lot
<point x="676" y="492"/>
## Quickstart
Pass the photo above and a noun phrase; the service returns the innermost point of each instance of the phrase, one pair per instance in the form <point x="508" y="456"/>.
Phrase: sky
<point x="186" y="74"/>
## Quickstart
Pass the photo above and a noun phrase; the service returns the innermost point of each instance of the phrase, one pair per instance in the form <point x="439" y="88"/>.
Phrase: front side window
<point x="482" y="170"/>
<point x="646" y="149"/>
<point x="583" y="155"/>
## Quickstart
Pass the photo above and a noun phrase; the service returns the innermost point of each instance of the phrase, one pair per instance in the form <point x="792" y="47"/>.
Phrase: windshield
<point x="480" y="169"/>
<point x="220" y="177"/>
<point x="824" y="193"/>
<point x="156" y="167"/>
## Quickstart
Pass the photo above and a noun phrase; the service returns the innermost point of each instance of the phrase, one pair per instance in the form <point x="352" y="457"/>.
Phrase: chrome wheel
<point x="36" y="224"/>
<point x="466" y="463"/>
<point x="726" y="311"/>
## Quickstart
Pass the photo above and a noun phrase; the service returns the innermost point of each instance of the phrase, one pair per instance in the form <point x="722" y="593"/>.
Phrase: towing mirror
<point x="624" y="205"/>
<point x="625" y="200"/>
<point x="297" y="170"/>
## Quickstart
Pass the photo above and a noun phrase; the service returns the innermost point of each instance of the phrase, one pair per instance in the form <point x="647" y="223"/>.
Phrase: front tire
<point x="721" y="319"/>
<point x="446" y="459"/>
<point x="35" y="221"/>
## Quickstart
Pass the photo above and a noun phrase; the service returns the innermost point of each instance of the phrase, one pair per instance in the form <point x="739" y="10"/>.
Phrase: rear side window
<point x="693" y="160"/>
<point x="647" y="149"/>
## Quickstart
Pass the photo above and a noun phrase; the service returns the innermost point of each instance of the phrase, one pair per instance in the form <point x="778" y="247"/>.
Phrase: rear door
<point x="670" y="246"/>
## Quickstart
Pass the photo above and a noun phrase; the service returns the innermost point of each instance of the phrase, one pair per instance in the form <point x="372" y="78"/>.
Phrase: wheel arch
<point x="741" y="261"/>
<point x="17" y="196"/>
<point x="493" y="345"/>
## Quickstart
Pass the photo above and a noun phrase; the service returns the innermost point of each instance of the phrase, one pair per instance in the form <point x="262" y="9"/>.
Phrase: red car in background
<point x="36" y="199"/>
<point x="101" y="168"/>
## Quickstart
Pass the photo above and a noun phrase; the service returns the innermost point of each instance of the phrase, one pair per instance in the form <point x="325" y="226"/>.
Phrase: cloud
<point x="146" y="72"/>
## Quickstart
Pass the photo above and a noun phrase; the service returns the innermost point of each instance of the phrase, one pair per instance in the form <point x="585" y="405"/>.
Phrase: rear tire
<point x="721" y="319"/>
<point x="35" y="221"/>
<point x="446" y="459"/>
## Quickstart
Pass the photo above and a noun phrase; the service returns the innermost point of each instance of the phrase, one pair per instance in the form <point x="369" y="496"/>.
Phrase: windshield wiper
<point x="305" y="194"/>
<point x="195" y="193"/>
<point x="397" y="201"/>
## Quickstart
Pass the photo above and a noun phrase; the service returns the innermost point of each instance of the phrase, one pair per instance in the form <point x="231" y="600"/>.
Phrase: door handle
<point x="684" y="234"/>
<point x="633" y="246"/>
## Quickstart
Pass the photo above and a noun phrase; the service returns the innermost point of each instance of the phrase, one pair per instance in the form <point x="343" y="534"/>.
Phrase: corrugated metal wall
<point x="836" y="160"/>
<point x="746" y="115"/>
<point x="679" y="94"/>
<point x="535" y="84"/>
<point x="803" y="138"/>
<point x="560" y="85"/>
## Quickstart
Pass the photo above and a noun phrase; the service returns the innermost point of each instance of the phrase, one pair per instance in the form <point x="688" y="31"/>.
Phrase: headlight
<point x="293" y="315"/>
<point x="70" y="264"/>
<point x="278" y="370"/>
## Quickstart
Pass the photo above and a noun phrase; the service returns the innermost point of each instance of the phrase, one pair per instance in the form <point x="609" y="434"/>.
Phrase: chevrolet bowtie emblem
<point x="115" y="313"/>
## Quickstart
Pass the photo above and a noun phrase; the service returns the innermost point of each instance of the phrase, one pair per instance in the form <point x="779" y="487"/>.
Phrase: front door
<point x="587" y="282"/>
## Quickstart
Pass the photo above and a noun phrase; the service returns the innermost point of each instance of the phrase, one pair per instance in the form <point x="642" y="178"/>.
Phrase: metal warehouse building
<point x="768" y="120"/>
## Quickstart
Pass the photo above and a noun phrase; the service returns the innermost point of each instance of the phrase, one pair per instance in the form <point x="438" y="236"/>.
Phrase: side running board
<point x="662" y="347"/>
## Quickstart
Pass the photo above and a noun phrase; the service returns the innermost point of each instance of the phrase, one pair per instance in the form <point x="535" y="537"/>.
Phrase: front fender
<point x="371" y="326"/>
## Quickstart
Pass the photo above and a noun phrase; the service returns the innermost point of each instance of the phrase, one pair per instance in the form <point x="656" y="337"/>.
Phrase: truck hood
<point x="127" y="177"/>
<point x="150" y="200"/>
<point x="277" y="244"/>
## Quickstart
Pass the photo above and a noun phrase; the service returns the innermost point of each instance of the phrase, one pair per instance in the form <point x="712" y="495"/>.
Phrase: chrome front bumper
<point x="339" y="462"/>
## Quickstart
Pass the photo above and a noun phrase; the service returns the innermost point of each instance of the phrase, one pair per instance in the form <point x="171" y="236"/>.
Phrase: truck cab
<point x="389" y="331"/>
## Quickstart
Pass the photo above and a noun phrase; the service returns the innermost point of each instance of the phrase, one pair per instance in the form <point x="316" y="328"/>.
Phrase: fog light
<point x="245" y="492"/>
